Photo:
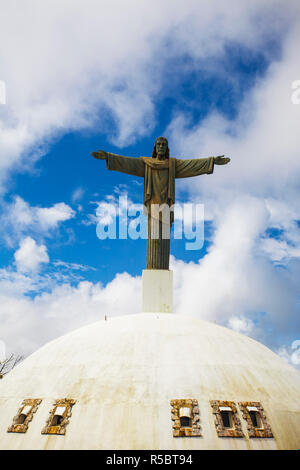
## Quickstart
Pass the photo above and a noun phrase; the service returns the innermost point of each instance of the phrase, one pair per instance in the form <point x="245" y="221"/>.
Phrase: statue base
<point x="157" y="290"/>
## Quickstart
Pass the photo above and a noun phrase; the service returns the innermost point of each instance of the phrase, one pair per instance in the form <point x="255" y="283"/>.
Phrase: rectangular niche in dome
<point x="24" y="415"/>
<point x="185" y="417"/>
<point x="227" y="421"/>
<point x="255" y="417"/>
<point x="59" y="416"/>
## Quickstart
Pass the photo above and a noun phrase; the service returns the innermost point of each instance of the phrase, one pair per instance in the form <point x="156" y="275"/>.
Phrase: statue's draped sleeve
<point x="193" y="167"/>
<point x="131" y="165"/>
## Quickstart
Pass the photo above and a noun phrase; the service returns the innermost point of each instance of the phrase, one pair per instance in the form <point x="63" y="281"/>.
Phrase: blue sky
<point x="216" y="81"/>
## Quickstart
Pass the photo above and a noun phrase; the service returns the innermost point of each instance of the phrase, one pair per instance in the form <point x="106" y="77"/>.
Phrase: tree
<point x="8" y="364"/>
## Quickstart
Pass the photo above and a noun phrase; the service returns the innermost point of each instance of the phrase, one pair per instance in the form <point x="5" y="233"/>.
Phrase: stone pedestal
<point x="157" y="288"/>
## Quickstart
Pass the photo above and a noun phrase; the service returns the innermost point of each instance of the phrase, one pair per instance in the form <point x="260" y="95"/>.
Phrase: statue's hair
<point x="154" y="155"/>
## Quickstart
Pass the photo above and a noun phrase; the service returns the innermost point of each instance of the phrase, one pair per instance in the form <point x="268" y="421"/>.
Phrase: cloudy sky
<point x="214" y="78"/>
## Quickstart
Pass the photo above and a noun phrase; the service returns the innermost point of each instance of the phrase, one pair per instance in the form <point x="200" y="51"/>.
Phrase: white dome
<point x="124" y="372"/>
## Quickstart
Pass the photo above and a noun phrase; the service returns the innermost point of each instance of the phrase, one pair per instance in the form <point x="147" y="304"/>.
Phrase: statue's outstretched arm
<point x="185" y="168"/>
<point x="130" y="165"/>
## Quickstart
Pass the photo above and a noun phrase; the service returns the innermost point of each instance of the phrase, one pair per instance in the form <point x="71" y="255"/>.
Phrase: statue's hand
<point x="221" y="160"/>
<point x="100" y="155"/>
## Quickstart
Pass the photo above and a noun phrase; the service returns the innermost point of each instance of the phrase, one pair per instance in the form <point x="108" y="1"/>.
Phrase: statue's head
<point x="161" y="149"/>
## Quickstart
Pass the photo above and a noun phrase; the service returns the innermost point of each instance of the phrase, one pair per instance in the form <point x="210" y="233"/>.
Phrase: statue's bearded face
<point x="161" y="146"/>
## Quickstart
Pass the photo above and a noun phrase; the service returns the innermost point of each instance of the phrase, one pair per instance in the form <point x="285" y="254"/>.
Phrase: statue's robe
<point x="159" y="188"/>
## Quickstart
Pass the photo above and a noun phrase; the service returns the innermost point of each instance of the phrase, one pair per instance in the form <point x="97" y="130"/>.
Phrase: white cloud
<point x="71" y="65"/>
<point x="20" y="213"/>
<point x="63" y="309"/>
<point x="280" y="251"/>
<point x="240" y="324"/>
<point x="73" y="266"/>
<point x="50" y="217"/>
<point x="30" y="256"/>
<point x="235" y="284"/>
<point x="112" y="206"/>
<point x="291" y="353"/>
<point x="262" y="142"/>
<point x="219" y="285"/>
<point x="19" y="218"/>
<point x="77" y="194"/>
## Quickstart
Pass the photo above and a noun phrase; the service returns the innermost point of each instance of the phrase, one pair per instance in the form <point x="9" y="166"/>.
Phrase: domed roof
<point x="127" y="377"/>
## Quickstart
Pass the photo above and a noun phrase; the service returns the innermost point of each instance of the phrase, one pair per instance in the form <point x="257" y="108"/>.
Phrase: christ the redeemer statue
<point x="159" y="173"/>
